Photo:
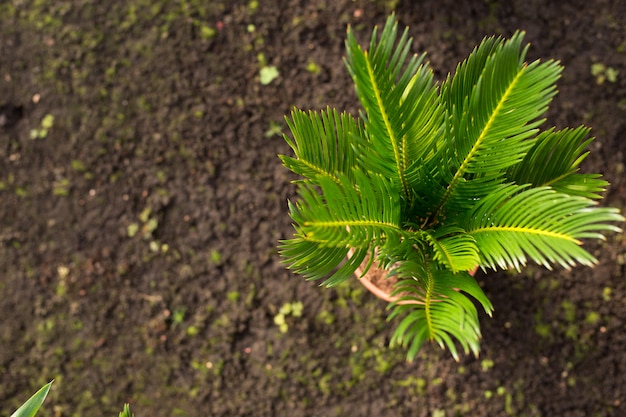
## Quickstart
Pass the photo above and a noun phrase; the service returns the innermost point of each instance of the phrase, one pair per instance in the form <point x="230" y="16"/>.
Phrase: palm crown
<point x="434" y="180"/>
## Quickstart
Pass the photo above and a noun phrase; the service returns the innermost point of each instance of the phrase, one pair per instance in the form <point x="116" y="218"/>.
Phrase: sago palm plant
<point x="435" y="179"/>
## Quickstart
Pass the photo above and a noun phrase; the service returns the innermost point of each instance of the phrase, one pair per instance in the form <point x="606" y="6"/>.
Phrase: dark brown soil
<point x="138" y="235"/>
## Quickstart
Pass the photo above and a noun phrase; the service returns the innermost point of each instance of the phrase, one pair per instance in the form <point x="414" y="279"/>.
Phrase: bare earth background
<point x="138" y="227"/>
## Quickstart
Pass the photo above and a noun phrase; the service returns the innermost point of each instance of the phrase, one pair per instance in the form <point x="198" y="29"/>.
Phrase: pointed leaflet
<point x="554" y="161"/>
<point x="494" y="109"/>
<point x="402" y="112"/>
<point x="322" y="143"/>
<point x="517" y="222"/>
<point x="30" y="407"/>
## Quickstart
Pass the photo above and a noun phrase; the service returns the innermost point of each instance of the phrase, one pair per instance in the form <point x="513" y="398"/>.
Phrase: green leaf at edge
<point x="30" y="407"/>
<point x="126" y="412"/>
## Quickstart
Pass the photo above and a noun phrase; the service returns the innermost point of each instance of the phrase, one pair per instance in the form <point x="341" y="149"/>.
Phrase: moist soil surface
<point x="141" y="201"/>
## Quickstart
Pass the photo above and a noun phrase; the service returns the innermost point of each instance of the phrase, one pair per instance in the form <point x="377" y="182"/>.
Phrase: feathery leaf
<point x="355" y="214"/>
<point x="554" y="161"/>
<point x="519" y="222"/>
<point x="438" y="310"/>
<point x="494" y="110"/>
<point x="454" y="248"/>
<point x="322" y="144"/>
<point x="402" y="111"/>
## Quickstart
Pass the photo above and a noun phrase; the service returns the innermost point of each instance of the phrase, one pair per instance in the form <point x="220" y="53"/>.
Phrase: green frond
<point x="358" y="214"/>
<point x="315" y="261"/>
<point x="322" y="144"/>
<point x="457" y="89"/>
<point x="428" y="190"/>
<point x="453" y="248"/>
<point x="519" y="222"/>
<point x="467" y="192"/>
<point x="403" y="116"/>
<point x="348" y="213"/>
<point x="440" y="311"/>
<point x="554" y="161"/>
<point x="494" y="111"/>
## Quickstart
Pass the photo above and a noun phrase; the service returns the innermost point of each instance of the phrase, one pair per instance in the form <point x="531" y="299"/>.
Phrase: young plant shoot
<point x="435" y="179"/>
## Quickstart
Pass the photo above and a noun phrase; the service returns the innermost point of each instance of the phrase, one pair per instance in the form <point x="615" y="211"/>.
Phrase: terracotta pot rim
<point x="384" y="295"/>
<point x="376" y="290"/>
